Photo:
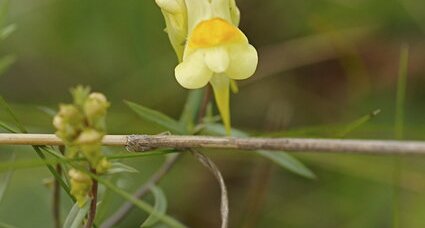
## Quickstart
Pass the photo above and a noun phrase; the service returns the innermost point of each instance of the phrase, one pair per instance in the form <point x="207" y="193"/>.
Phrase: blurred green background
<point x="323" y="64"/>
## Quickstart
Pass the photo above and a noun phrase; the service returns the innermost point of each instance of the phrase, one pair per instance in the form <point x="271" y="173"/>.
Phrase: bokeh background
<point x="323" y="64"/>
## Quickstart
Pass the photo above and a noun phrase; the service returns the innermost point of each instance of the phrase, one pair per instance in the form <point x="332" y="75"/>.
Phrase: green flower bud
<point x="92" y="153"/>
<point x="81" y="185"/>
<point x="98" y="97"/>
<point x="68" y="122"/>
<point x="58" y="122"/>
<point x="80" y="95"/>
<point x="102" y="166"/>
<point x="69" y="112"/>
<point x="89" y="136"/>
<point x="95" y="106"/>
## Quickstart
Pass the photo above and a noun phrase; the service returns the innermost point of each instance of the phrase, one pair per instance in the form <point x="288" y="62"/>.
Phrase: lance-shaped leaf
<point x="156" y="117"/>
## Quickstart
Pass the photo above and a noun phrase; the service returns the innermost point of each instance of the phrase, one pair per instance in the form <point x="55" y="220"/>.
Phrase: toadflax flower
<point x="215" y="51"/>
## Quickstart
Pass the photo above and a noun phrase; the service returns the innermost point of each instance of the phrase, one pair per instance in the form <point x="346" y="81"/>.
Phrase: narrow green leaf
<point x="357" y="123"/>
<point x="156" y="117"/>
<point x="5" y="62"/>
<point x="76" y="216"/>
<point x="5" y="106"/>
<point x="52" y="152"/>
<point x="118" y="167"/>
<point x="160" y="207"/>
<point x="287" y="161"/>
<point x="282" y="159"/>
<point x="7" y="128"/>
<point x="6" y="179"/>
<point x="136" y="202"/>
<point x="6" y="31"/>
<point x="191" y="109"/>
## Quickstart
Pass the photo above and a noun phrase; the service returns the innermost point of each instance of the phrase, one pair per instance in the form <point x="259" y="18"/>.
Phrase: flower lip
<point x="213" y="32"/>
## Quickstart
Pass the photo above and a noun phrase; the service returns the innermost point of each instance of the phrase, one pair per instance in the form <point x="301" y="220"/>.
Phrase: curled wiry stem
<point x="224" y="202"/>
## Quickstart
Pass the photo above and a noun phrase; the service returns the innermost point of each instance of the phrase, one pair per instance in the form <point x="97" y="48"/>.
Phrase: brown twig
<point x="381" y="147"/>
<point x="139" y="143"/>
<point x="93" y="203"/>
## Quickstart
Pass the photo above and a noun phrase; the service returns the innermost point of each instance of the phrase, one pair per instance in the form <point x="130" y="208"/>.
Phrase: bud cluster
<point x="82" y="126"/>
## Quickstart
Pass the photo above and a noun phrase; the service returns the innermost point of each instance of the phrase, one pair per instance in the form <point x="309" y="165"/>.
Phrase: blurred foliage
<point x="324" y="65"/>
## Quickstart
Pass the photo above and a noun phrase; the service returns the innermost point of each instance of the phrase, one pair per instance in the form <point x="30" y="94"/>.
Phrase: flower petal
<point x="192" y="73"/>
<point x="243" y="61"/>
<point x="217" y="59"/>
<point x="170" y="6"/>
<point x="197" y="11"/>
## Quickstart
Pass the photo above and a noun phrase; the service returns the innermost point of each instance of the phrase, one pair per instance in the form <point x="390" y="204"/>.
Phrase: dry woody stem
<point x="140" y="143"/>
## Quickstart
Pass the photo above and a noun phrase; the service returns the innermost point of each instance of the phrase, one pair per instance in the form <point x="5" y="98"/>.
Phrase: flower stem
<point x="93" y="203"/>
<point x="56" y="199"/>
<point x="57" y="193"/>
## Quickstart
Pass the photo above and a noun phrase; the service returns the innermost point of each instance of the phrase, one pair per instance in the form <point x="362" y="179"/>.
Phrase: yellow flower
<point x="216" y="48"/>
<point x="216" y="51"/>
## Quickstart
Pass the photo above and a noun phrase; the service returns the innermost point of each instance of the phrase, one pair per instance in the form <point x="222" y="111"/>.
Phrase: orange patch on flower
<point x="214" y="32"/>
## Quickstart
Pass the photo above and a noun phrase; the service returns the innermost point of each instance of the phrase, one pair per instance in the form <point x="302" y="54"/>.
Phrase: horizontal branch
<point x="139" y="143"/>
